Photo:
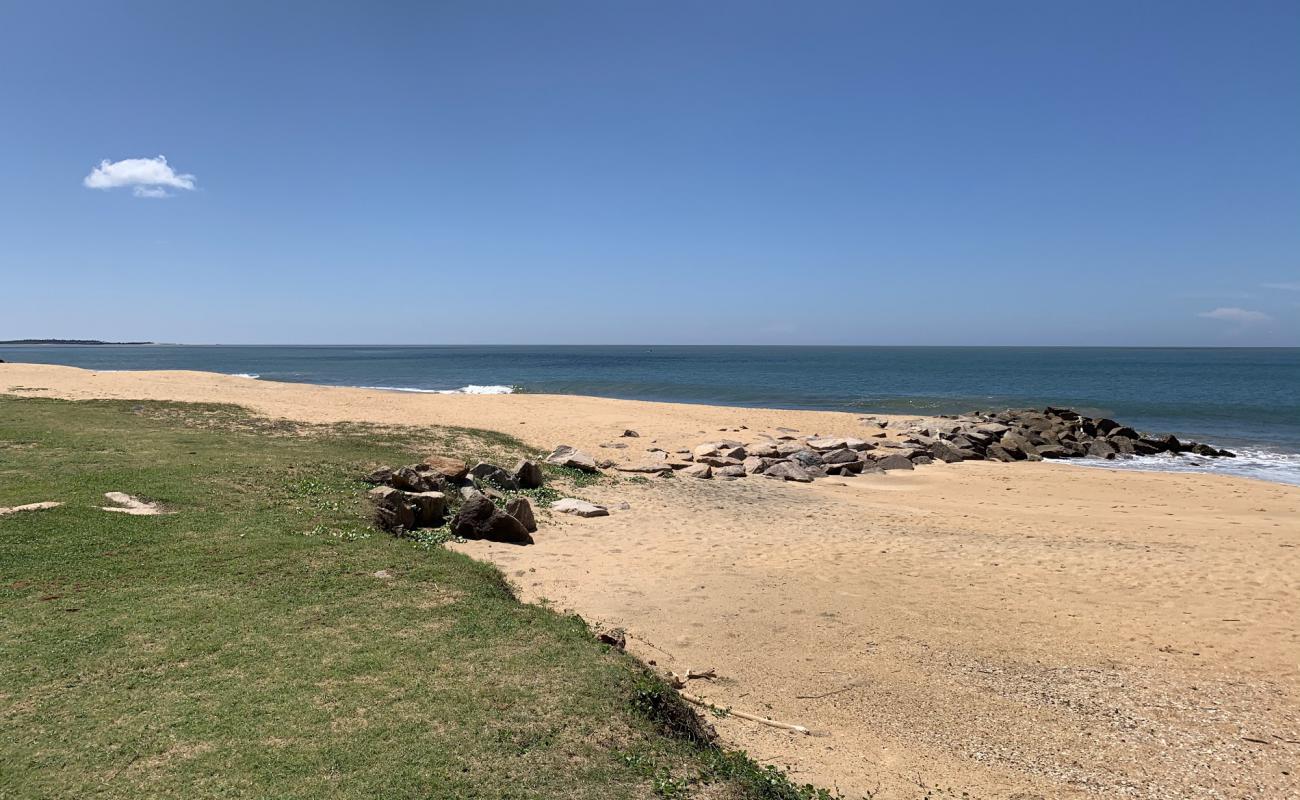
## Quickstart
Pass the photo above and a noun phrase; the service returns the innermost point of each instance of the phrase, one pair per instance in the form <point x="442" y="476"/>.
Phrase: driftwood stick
<point x="785" y="726"/>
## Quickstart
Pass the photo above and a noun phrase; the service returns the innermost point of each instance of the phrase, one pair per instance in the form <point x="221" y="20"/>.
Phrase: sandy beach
<point x="1029" y="630"/>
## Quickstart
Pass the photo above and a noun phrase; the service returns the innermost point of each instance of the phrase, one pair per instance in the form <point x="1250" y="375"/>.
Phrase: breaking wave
<point x="470" y="389"/>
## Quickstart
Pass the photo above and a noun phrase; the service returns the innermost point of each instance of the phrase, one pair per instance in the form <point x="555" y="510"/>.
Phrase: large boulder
<point x="579" y="508"/>
<point x="430" y="508"/>
<point x="494" y="475"/>
<point x="702" y="471"/>
<point x="942" y="451"/>
<point x="788" y="471"/>
<point x="807" y="458"/>
<point x="762" y="450"/>
<point x="528" y="474"/>
<point x="734" y="471"/>
<point x="392" y="512"/>
<point x="479" y="518"/>
<point x="1100" y="448"/>
<point x="896" y="461"/>
<point x="841" y="456"/>
<point x="522" y="510"/>
<point x="566" y="456"/>
<point x="452" y="469"/>
<point x="409" y="480"/>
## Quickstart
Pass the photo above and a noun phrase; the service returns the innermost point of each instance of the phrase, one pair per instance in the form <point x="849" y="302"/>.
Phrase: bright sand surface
<point x="1007" y="630"/>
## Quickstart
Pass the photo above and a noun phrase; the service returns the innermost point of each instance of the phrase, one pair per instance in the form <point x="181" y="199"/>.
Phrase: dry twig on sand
<point x="700" y="701"/>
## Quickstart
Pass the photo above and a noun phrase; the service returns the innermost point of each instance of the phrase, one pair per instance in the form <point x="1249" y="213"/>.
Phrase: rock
<point x="788" y="471"/>
<point x="631" y="434"/>
<point x="858" y="444"/>
<point x="392" y="513"/>
<point x="735" y="471"/>
<point x="380" y="476"/>
<point x="1123" y="431"/>
<point x="996" y="452"/>
<point x="614" y="445"/>
<point x="702" y="471"/>
<point x="479" y="518"/>
<point x="566" y="456"/>
<point x="615" y="638"/>
<point x="495" y="476"/>
<point x="580" y="508"/>
<point x="807" y="458"/>
<point x="921" y="461"/>
<point x="1100" y="448"/>
<point x="528" y="474"/>
<point x="450" y="468"/>
<point x="717" y="461"/>
<point x="841" y="456"/>
<point x="705" y="451"/>
<point x="828" y="443"/>
<point x="522" y="510"/>
<point x="762" y="450"/>
<point x="1017" y="445"/>
<point x="407" y="479"/>
<point x="896" y="461"/>
<point x="946" y="453"/>
<point x="1163" y="443"/>
<point x="1123" y="445"/>
<point x="1053" y="451"/>
<point x="1226" y="453"/>
<point x="738" y="453"/>
<point x="466" y="492"/>
<point x="429" y="508"/>
<point x="659" y="467"/>
<point x="1104" y="426"/>
<point x="1203" y="449"/>
<point x="755" y="464"/>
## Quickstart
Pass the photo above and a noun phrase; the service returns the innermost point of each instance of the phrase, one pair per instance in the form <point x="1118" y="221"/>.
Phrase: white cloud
<point x="1240" y="316"/>
<point x="147" y="175"/>
<point x="1291" y="286"/>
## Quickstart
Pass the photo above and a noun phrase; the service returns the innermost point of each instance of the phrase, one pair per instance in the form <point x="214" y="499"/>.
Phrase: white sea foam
<point x="470" y="389"/>
<point x="1264" y="465"/>
<point x="252" y="375"/>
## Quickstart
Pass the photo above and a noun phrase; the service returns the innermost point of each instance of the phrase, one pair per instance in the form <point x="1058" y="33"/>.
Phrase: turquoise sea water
<point x="1244" y="399"/>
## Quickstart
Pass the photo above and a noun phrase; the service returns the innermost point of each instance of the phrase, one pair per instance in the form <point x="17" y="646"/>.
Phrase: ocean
<point x="1245" y="399"/>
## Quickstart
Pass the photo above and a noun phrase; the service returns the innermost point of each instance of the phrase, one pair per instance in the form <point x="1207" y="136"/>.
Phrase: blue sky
<point x="1110" y="173"/>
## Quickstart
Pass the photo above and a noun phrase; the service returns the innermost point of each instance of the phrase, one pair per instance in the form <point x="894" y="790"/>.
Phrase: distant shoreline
<point x="69" y="342"/>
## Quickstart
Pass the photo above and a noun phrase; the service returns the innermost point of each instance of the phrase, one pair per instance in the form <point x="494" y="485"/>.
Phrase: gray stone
<point x="494" y="475"/>
<point x="807" y="458"/>
<point x="1100" y="448"/>
<point x="702" y="471"/>
<point x="579" y="508"/>
<point x="896" y="461"/>
<point x="631" y="434"/>
<point x="736" y="471"/>
<point x="788" y="471"/>
<point x="841" y="456"/>
<point x="566" y="456"/>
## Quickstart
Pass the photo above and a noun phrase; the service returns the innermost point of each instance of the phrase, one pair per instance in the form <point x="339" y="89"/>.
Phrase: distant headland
<point x="64" y="341"/>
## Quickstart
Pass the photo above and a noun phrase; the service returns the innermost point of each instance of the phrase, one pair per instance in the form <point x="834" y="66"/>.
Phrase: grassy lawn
<point x="246" y="647"/>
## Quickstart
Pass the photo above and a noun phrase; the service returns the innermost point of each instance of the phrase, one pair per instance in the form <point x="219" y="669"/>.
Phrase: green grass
<point x="244" y="646"/>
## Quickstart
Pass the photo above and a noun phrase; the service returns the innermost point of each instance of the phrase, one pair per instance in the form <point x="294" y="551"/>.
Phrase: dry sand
<point x="1006" y="630"/>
